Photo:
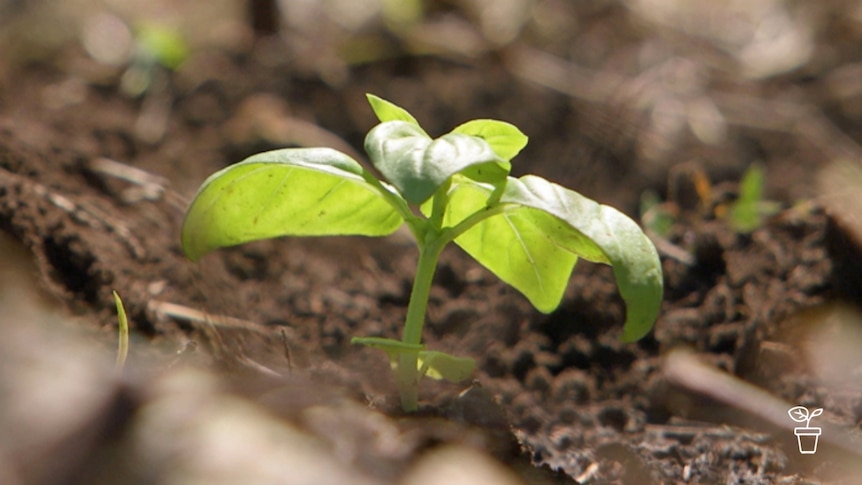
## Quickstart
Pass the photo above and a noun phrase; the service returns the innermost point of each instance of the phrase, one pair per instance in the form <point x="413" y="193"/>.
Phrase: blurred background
<point x="612" y="93"/>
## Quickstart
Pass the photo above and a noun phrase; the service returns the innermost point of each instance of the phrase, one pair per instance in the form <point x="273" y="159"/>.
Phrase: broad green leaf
<point x="440" y="365"/>
<point x="533" y="244"/>
<point x="504" y="138"/>
<point x="290" y="192"/>
<point x="417" y="165"/>
<point x="387" y="111"/>
<point x="513" y="245"/>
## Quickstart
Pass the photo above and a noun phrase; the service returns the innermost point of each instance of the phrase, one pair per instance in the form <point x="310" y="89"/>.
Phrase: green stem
<point x="452" y="233"/>
<point x="430" y="248"/>
<point x="438" y="208"/>
<point x="408" y="374"/>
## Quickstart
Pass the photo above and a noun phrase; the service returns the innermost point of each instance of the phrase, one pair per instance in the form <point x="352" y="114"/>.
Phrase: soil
<point x="266" y="326"/>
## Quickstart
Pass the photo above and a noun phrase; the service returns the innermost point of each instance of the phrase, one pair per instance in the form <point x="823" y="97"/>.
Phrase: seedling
<point x="156" y="47"/>
<point x="527" y="231"/>
<point x="747" y="213"/>
<point x="123" y="334"/>
<point x="656" y="216"/>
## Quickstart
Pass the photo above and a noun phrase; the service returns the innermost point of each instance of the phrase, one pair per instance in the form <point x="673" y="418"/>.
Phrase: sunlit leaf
<point x="534" y="242"/>
<point x="123" y="325"/>
<point x="434" y="364"/>
<point x="745" y="214"/>
<point x="162" y="43"/>
<point x="390" y="346"/>
<point x="388" y="111"/>
<point x="504" y="138"/>
<point x="417" y="165"/>
<point x="440" y="365"/>
<point x="297" y="192"/>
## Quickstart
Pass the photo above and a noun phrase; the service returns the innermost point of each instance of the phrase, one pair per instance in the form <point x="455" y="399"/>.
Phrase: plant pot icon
<point x="807" y="439"/>
<point x="806" y="436"/>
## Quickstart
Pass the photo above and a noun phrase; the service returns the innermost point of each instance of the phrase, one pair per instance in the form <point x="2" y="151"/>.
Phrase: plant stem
<point x="408" y="374"/>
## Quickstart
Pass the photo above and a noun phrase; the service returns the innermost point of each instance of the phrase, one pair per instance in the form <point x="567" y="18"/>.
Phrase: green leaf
<point x="747" y="213"/>
<point x="388" y="345"/>
<point x="417" y="165"/>
<point x="387" y="111"/>
<point x="504" y="138"/>
<point x="539" y="230"/>
<point x="434" y="364"/>
<point x="164" y="44"/>
<point x="123" y="338"/>
<point x="296" y="192"/>
<point x="654" y="215"/>
<point x="440" y="365"/>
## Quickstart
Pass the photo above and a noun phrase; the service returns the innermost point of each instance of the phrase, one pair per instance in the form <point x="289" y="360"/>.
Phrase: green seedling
<point x="123" y="324"/>
<point x="527" y="231"/>
<point x="156" y="48"/>
<point x="747" y="212"/>
<point x="656" y="216"/>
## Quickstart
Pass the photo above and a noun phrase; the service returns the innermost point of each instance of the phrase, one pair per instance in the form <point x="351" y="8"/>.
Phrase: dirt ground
<point x="241" y="369"/>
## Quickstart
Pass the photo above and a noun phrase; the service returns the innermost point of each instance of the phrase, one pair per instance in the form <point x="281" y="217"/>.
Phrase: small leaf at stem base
<point x="434" y="364"/>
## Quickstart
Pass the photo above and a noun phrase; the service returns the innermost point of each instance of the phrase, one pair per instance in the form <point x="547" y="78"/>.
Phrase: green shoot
<point x="455" y="188"/>
<point x="747" y="213"/>
<point x="654" y="215"/>
<point x="123" y="323"/>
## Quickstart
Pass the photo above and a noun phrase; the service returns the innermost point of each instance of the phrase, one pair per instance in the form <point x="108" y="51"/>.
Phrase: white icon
<point x="806" y="436"/>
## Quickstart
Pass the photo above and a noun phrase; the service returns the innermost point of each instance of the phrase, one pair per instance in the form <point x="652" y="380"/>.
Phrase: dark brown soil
<point x="557" y="398"/>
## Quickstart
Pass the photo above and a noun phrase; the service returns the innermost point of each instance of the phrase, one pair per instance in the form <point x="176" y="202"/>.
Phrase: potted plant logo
<point x="807" y="436"/>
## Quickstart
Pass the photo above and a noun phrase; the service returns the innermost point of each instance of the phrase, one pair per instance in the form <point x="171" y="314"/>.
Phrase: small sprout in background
<point x="656" y="216"/>
<point x="162" y="45"/>
<point x="145" y="56"/>
<point x="155" y="47"/>
<point x="141" y="52"/>
<point x="123" y="324"/>
<point x="454" y="188"/>
<point x="748" y="211"/>
<point x="158" y="50"/>
<point x="691" y="192"/>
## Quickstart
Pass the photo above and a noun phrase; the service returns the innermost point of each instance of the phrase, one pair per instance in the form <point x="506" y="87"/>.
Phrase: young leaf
<point x="387" y="345"/>
<point x="440" y="365"/>
<point x="417" y="165"/>
<point x="392" y="348"/>
<point x="162" y="43"/>
<point x="123" y="339"/>
<point x="505" y="139"/>
<point x="745" y="215"/>
<point x="533" y="244"/>
<point x="434" y="364"/>
<point x="387" y="111"/>
<point x="301" y="192"/>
